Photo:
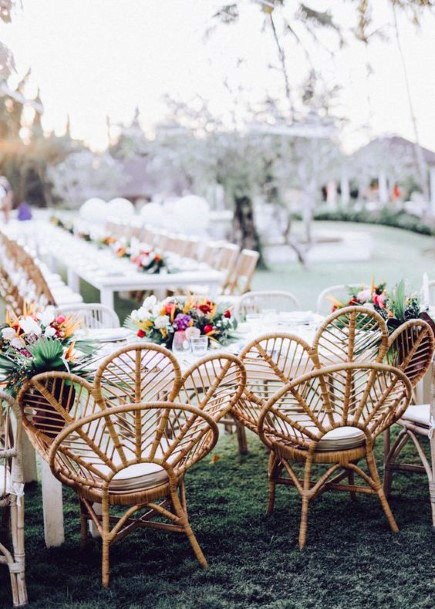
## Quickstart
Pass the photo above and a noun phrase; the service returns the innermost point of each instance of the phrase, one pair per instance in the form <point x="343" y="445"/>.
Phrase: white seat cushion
<point x="419" y="414"/>
<point x="4" y="481"/>
<point x="137" y="477"/>
<point x="342" y="438"/>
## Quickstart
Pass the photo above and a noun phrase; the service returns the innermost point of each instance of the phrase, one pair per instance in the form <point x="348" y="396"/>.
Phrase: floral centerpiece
<point x="40" y="342"/>
<point x="148" y="261"/>
<point x="158" y="321"/>
<point x="395" y="306"/>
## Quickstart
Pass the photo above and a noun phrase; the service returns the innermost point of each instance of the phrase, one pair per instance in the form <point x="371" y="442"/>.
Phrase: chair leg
<point x="84" y="531"/>
<point x="273" y="471"/>
<point x="105" y="537"/>
<point x="390" y="459"/>
<point x="184" y="522"/>
<point x="18" y="576"/>
<point x="377" y="486"/>
<point x="351" y="480"/>
<point x="305" y="505"/>
<point x="241" y="438"/>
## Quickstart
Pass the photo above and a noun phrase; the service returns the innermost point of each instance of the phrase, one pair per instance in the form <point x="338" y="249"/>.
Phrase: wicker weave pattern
<point x="11" y="481"/>
<point x="91" y="433"/>
<point x="270" y="362"/>
<point x="138" y="373"/>
<point x="351" y="334"/>
<point x="369" y="397"/>
<point x="411" y="348"/>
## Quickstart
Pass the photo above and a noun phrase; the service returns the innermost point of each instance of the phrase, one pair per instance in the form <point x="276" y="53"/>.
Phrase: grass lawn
<point x="351" y="560"/>
<point x="397" y="254"/>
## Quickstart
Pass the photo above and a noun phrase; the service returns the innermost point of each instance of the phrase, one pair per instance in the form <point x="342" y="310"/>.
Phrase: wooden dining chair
<point x="140" y="372"/>
<point x="93" y="315"/>
<point x="241" y="276"/>
<point x="339" y="292"/>
<point x="411" y="349"/>
<point x="215" y="384"/>
<point x="330" y="419"/>
<point x="270" y="362"/>
<point x="12" y="496"/>
<point x="258" y="302"/>
<point x="351" y="334"/>
<point x="133" y="457"/>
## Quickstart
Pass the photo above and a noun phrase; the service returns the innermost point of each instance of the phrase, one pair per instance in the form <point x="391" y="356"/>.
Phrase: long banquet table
<point x="108" y="273"/>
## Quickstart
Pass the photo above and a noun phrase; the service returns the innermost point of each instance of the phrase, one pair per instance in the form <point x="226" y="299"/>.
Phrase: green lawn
<point x="397" y="254"/>
<point x="351" y="561"/>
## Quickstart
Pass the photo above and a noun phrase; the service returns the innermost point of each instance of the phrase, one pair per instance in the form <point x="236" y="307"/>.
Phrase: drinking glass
<point x="180" y="344"/>
<point x="199" y="345"/>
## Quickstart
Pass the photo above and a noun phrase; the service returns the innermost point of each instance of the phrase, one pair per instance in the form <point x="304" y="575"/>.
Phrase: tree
<point x="84" y="174"/>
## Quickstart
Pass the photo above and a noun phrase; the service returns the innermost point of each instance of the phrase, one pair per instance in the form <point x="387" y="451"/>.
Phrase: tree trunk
<point x="245" y="231"/>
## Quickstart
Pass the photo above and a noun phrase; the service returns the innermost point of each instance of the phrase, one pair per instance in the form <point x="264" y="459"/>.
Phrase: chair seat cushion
<point x="419" y="414"/>
<point x="342" y="438"/>
<point x="137" y="477"/>
<point x="4" y="481"/>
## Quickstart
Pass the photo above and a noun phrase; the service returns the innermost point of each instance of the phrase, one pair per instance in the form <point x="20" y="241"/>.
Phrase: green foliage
<point x="383" y="217"/>
<point x="47" y="355"/>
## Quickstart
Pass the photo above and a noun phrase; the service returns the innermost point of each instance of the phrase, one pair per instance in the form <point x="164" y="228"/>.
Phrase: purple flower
<point x="182" y="321"/>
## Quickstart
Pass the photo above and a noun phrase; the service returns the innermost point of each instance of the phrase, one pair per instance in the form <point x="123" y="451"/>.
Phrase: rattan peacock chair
<point x="331" y="418"/>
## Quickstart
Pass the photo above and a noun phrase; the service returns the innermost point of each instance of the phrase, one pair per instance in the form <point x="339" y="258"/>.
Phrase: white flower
<point x="9" y="333"/>
<point x="47" y="316"/>
<point x="364" y="295"/>
<point x="156" y="310"/>
<point x="30" y="326"/>
<point x="49" y="332"/>
<point x="18" y="343"/>
<point x="149" y="303"/>
<point x="162" y="321"/>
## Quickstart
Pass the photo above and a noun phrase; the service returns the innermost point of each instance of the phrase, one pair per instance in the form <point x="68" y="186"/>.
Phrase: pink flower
<point x="379" y="300"/>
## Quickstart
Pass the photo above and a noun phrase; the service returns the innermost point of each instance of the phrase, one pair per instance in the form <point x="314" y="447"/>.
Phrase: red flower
<point x="208" y="328"/>
<point x="227" y="313"/>
<point x="354" y="301"/>
<point x="205" y="308"/>
<point x="141" y="333"/>
<point x="60" y="319"/>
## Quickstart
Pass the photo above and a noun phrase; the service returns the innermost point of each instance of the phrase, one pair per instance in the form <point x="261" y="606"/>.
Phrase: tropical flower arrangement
<point x="40" y="342"/>
<point x="158" y="321"/>
<point x="395" y="306"/>
<point x="148" y="261"/>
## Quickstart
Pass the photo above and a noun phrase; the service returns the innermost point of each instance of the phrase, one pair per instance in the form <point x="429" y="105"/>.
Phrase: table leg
<point x="29" y="460"/>
<point x="107" y="298"/>
<point x="73" y="280"/>
<point x="52" y="506"/>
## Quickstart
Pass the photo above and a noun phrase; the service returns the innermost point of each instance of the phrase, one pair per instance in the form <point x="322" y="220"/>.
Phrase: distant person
<point x="24" y="211"/>
<point x="396" y="195"/>
<point x="6" y="197"/>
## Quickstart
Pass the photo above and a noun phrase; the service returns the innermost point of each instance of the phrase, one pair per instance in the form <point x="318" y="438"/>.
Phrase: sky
<point x="97" y="58"/>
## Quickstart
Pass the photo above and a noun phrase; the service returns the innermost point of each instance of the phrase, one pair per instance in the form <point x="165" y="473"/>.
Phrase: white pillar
<point x="432" y="190"/>
<point x="331" y="194"/>
<point x="383" y="188"/>
<point x="345" y="190"/>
